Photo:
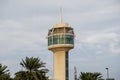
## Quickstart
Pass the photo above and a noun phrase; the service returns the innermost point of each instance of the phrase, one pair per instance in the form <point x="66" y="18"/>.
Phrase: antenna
<point x="75" y="73"/>
<point x="61" y="19"/>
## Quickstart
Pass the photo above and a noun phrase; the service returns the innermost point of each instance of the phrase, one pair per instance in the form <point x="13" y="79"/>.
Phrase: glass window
<point x="49" y="40"/>
<point x="55" y="39"/>
<point x="69" y="39"/>
<point x="61" y="39"/>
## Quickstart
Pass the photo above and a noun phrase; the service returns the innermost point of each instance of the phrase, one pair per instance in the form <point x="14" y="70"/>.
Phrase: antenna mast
<point x="75" y="73"/>
<point x="61" y="19"/>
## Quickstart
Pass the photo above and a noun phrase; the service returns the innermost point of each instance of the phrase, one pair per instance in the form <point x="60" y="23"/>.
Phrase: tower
<point x="60" y="41"/>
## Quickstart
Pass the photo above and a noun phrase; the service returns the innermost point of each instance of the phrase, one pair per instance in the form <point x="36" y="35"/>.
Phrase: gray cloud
<point x="24" y="25"/>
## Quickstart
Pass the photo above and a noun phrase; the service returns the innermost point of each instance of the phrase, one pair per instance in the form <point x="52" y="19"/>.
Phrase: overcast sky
<point x="24" y="25"/>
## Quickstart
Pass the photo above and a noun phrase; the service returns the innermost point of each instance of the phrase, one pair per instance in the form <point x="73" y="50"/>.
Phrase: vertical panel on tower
<point x="67" y="65"/>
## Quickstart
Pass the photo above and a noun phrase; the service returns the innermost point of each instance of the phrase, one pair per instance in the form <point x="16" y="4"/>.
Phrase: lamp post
<point x="107" y="72"/>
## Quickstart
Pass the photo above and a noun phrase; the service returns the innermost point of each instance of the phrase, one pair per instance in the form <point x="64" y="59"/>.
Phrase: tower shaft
<point x="60" y="41"/>
<point x="61" y="65"/>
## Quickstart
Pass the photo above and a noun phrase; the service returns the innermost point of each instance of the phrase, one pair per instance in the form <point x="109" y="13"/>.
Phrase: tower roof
<point x="58" y="25"/>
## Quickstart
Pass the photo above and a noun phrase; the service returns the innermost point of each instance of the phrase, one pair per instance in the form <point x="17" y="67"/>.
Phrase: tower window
<point x="61" y="39"/>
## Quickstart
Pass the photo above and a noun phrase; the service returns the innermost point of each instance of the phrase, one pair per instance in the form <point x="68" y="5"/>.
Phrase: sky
<point x="24" y="26"/>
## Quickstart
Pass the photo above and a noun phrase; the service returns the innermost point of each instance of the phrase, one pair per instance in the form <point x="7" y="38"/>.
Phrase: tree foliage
<point x="34" y="70"/>
<point x="90" y="76"/>
<point x="4" y="73"/>
<point x="110" y="79"/>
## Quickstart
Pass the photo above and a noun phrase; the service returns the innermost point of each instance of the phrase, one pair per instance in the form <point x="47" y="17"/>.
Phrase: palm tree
<point x="34" y="70"/>
<point x="90" y="76"/>
<point x="110" y="79"/>
<point x="3" y="69"/>
<point x="20" y="75"/>
<point x="4" y="75"/>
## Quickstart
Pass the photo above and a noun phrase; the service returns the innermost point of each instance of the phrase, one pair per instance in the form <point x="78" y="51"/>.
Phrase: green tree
<point x="34" y="70"/>
<point x="5" y="76"/>
<point x="4" y="73"/>
<point x="110" y="79"/>
<point x="90" y="76"/>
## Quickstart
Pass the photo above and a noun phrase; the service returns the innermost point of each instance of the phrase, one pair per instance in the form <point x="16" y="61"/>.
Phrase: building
<point x="60" y="41"/>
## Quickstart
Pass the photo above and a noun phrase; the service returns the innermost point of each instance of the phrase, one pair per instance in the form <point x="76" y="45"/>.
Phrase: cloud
<point x="24" y="25"/>
<point x="99" y="37"/>
<point x="115" y="47"/>
<point x="15" y="35"/>
<point x="115" y="50"/>
<point x="99" y="42"/>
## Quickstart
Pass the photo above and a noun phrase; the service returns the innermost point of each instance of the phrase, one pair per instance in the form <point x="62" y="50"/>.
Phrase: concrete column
<point x="60" y="65"/>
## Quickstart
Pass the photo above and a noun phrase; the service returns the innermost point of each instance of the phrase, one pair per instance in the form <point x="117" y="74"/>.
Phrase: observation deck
<point x="61" y="36"/>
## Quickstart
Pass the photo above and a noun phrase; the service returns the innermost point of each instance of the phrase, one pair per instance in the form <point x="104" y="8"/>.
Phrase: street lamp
<point x="107" y="72"/>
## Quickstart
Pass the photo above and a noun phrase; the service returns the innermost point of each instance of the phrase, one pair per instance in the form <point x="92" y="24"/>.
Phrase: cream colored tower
<point x="60" y="41"/>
